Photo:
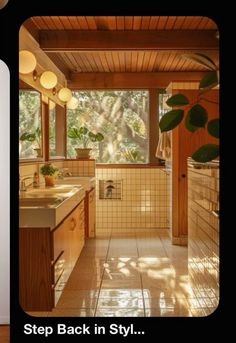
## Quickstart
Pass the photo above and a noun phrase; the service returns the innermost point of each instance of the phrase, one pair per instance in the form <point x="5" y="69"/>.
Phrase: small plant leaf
<point x="209" y="81"/>
<point x="177" y="100"/>
<point x="171" y="119"/>
<point x="213" y="127"/>
<point x="74" y="133"/>
<point x="206" y="153"/>
<point x="83" y="130"/>
<point x="92" y="136"/>
<point x="201" y="59"/>
<point x="188" y="125"/>
<point x="197" y="116"/>
<point x="99" y="137"/>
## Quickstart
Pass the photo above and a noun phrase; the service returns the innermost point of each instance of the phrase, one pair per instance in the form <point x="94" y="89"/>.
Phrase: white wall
<point x="4" y="194"/>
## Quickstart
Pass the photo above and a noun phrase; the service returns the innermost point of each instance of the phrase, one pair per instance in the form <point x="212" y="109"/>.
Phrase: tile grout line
<point x="102" y="276"/>
<point x="141" y="280"/>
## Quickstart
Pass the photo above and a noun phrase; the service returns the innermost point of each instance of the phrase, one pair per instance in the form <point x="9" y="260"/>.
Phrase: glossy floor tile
<point x="133" y="275"/>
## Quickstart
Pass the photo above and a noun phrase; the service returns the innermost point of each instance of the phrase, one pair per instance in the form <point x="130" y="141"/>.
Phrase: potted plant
<point x="33" y="137"/>
<point x="48" y="170"/>
<point x="84" y="136"/>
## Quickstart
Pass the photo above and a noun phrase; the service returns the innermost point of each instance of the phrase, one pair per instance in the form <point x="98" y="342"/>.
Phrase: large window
<point x="122" y="116"/>
<point x="30" y="124"/>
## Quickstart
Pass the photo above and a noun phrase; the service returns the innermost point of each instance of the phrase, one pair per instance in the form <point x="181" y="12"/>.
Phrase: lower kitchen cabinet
<point x="90" y="225"/>
<point x="47" y="258"/>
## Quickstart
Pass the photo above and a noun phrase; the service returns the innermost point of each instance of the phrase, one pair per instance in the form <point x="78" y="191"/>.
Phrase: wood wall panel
<point x="35" y="243"/>
<point x="184" y="144"/>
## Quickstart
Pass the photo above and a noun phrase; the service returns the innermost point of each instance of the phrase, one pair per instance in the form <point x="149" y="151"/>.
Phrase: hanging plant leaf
<point x="171" y="119"/>
<point x="189" y="126"/>
<point x="209" y="81"/>
<point x="201" y="59"/>
<point x="177" y="100"/>
<point x="206" y="153"/>
<point x="213" y="127"/>
<point x="197" y="116"/>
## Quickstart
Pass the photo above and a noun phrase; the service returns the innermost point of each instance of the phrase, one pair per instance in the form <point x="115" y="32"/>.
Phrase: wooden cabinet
<point x="90" y="213"/>
<point x="47" y="258"/>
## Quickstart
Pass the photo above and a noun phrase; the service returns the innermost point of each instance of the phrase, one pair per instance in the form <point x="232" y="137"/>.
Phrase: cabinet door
<point x="92" y="212"/>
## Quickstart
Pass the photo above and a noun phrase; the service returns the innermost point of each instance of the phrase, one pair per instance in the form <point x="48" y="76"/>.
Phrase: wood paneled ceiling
<point x="124" y="23"/>
<point x="136" y="59"/>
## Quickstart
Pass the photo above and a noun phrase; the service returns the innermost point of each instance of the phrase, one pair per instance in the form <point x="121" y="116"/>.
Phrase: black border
<point x="11" y="18"/>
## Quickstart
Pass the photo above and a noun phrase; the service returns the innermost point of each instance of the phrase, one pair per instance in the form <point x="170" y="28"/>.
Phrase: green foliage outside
<point x="121" y="116"/>
<point x="29" y="123"/>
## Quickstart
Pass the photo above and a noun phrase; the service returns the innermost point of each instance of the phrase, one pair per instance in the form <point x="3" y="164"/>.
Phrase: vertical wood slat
<point x="91" y="23"/>
<point x="57" y="22"/>
<point x="120" y="22"/>
<point x="153" y="125"/>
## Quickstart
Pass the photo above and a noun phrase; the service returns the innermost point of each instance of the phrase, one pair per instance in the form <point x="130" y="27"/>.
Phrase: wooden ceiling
<point x="124" y="23"/>
<point x="98" y="59"/>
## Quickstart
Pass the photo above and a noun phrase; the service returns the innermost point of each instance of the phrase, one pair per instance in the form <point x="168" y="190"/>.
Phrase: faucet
<point x="63" y="173"/>
<point x="23" y="186"/>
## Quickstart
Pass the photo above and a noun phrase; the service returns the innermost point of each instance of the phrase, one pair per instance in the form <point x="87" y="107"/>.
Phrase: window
<point x="163" y="107"/>
<point x="122" y="116"/>
<point x="52" y="128"/>
<point x="30" y="124"/>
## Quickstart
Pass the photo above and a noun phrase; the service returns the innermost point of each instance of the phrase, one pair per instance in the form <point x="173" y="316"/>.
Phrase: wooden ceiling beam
<point x="130" y="80"/>
<point x="76" y="40"/>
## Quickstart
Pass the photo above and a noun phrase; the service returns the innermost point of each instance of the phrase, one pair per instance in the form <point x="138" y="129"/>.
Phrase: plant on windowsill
<point x="84" y="137"/>
<point x="197" y="115"/>
<point x="49" y="171"/>
<point x="35" y="139"/>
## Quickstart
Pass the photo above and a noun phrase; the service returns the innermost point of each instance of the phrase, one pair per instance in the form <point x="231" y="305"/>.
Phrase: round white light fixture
<point x="27" y="62"/>
<point x="73" y="103"/>
<point x="52" y="105"/>
<point x="65" y="94"/>
<point x="48" y="80"/>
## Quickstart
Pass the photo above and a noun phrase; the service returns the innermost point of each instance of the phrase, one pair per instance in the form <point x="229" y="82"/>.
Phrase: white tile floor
<point x="131" y="275"/>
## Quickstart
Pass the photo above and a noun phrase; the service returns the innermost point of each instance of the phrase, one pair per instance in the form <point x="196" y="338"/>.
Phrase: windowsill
<point x="31" y="160"/>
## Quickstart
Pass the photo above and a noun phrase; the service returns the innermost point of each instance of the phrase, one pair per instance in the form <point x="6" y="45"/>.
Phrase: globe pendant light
<point x="65" y="94"/>
<point x="27" y="62"/>
<point x="48" y="80"/>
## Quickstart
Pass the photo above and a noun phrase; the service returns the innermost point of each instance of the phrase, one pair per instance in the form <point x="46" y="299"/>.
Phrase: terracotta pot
<point x="82" y="153"/>
<point x="49" y="180"/>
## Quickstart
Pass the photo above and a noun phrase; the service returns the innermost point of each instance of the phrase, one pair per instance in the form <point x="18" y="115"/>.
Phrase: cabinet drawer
<point x="80" y="208"/>
<point x="59" y="267"/>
